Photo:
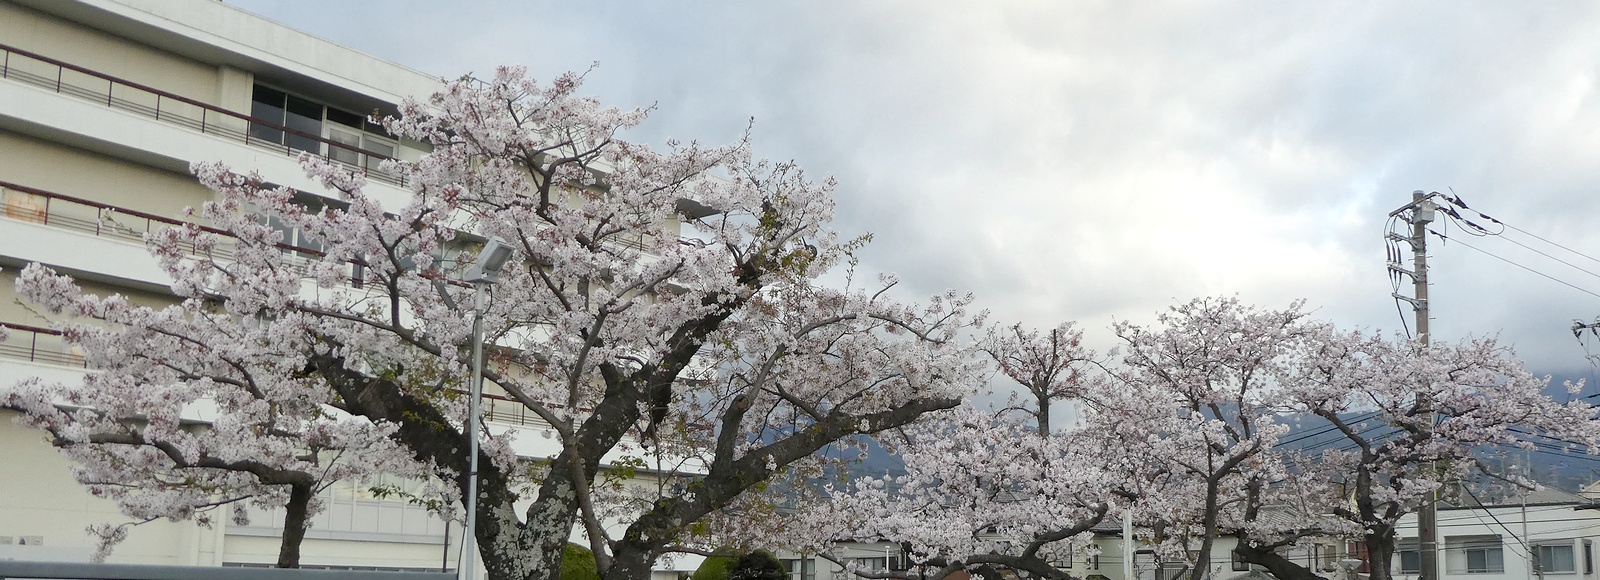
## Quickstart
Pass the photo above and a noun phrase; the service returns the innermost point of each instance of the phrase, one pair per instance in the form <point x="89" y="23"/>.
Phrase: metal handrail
<point x="104" y="225"/>
<point x="204" y="124"/>
<point x="32" y="352"/>
<point x="99" y="228"/>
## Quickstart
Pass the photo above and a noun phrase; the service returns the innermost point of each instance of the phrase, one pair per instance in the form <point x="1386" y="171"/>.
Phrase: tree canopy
<point x="707" y="351"/>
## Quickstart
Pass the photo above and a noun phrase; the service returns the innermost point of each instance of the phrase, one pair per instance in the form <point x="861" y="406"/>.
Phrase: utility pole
<point x="1419" y="213"/>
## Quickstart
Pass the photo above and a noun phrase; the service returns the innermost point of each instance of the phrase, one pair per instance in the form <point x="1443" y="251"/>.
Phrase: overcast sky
<point x="1101" y="161"/>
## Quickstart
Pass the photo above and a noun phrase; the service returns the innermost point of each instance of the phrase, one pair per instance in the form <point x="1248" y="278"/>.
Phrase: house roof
<point x="1541" y="496"/>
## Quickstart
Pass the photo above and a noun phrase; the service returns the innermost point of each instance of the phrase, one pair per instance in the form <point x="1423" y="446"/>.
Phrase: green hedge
<point x="714" y="568"/>
<point x="758" y="565"/>
<point x="577" y="563"/>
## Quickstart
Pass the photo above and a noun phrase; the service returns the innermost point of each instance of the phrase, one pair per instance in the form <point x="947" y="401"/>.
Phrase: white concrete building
<point x="1550" y="535"/>
<point x="104" y="104"/>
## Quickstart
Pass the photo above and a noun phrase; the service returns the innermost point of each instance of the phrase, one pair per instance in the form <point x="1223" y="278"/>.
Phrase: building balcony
<point x="38" y="345"/>
<point x="76" y="106"/>
<point x="67" y="79"/>
<point x="48" y="227"/>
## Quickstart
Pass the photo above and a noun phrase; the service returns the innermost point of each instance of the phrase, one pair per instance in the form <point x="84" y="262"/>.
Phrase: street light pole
<point x="485" y="271"/>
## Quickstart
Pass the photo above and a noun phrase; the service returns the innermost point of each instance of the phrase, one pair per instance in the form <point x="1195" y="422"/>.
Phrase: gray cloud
<point x="1093" y="160"/>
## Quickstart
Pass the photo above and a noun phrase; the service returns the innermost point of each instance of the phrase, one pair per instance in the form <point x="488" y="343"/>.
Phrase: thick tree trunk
<point x="629" y="565"/>
<point x="1380" y="552"/>
<point x="1280" y="567"/>
<point x="433" y="438"/>
<point x="296" y="519"/>
<point x="551" y="519"/>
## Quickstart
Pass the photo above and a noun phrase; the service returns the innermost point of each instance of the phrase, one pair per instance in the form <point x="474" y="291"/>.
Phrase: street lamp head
<point x="494" y="256"/>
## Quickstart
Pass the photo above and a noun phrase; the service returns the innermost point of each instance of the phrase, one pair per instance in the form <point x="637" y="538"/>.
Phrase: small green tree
<point x="714" y="568"/>
<point x="758" y="565"/>
<point x="577" y="563"/>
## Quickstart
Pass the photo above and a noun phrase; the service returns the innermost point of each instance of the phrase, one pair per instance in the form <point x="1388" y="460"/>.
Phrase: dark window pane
<point x="269" y="112"/>
<point x="345" y="118"/>
<point x="352" y="140"/>
<point x="377" y="129"/>
<point x="379" y="147"/>
<point x="304" y="117"/>
<point x="1410" y="562"/>
<point x="269" y="96"/>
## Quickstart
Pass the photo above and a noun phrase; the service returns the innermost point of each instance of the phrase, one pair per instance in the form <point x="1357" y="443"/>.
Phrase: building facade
<point x="1550" y="535"/>
<point x="104" y="105"/>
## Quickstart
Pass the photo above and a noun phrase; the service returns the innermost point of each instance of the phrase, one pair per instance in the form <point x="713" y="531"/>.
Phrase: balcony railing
<point x="503" y="409"/>
<point x="32" y="204"/>
<point x="31" y="343"/>
<point x="68" y="79"/>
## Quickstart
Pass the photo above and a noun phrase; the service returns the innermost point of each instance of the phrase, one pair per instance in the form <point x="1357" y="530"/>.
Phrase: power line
<point x="1325" y="430"/>
<point x="1536" y="237"/>
<point x="1486" y="253"/>
<point x="1537" y="251"/>
<point x="1456" y="200"/>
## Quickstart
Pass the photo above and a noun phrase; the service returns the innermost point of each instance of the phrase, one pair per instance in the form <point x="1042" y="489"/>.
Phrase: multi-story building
<point x="104" y="104"/>
<point x="1545" y="535"/>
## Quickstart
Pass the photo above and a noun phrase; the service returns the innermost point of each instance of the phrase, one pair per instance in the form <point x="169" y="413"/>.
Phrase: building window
<point x="1410" y="559"/>
<point x="1474" y="555"/>
<point x="899" y="562"/>
<point x="310" y="121"/>
<point x="877" y="564"/>
<point x="293" y="236"/>
<point x="1239" y="565"/>
<point x="1092" y="562"/>
<point x="1556" y="559"/>
<point x="1485" y="561"/>
<point x="1325" y="557"/>
<point x="801" y="568"/>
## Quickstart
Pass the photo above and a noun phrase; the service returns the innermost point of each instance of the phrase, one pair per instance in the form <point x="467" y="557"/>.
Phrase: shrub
<point x="577" y="563"/>
<point x="714" y="568"/>
<point x="758" y="565"/>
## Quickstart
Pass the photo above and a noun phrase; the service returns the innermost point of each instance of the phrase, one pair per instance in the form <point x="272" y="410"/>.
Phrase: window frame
<point x="1411" y="552"/>
<point x="1542" y="561"/>
<point x="369" y="137"/>
<point x="800" y="568"/>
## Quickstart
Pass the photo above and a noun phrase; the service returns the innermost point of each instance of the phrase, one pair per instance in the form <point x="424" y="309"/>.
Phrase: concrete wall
<point x="63" y="40"/>
<point x="40" y="499"/>
<point x="87" y="175"/>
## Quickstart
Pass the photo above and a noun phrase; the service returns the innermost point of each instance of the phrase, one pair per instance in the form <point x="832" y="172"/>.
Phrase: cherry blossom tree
<point x="1205" y="377"/>
<point x="715" y="350"/>
<point x="1186" y="432"/>
<point x="982" y="492"/>
<point x="169" y="430"/>
<point x="992" y="492"/>
<point x="1240" y="371"/>
<point x="1049" y="366"/>
<point x="1414" y="418"/>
